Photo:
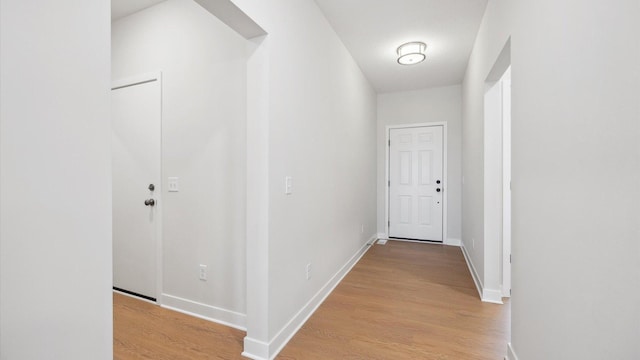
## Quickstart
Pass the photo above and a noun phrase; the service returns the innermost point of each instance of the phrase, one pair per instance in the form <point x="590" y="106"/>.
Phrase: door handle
<point x="149" y="202"/>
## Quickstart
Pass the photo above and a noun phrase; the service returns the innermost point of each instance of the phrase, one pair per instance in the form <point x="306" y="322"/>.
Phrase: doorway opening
<point x="213" y="65"/>
<point x="497" y="179"/>
<point x="136" y="176"/>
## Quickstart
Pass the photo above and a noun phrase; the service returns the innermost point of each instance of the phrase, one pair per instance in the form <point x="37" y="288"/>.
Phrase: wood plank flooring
<point x="142" y="330"/>
<point x="401" y="301"/>
<point x="405" y="301"/>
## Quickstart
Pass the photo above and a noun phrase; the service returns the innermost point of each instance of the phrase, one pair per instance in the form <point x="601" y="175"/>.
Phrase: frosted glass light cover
<point x="411" y="53"/>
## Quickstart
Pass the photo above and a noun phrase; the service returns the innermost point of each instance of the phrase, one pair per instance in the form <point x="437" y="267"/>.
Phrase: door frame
<point x="505" y="83"/>
<point x="133" y="81"/>
<point x="444" y="174"/>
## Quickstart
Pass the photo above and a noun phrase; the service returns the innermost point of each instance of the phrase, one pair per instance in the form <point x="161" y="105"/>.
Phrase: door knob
<point x="437" y="181"/>
<point x="152" y="187"/>
<point x="438" y="190"/>
<point x="149" y="202"/>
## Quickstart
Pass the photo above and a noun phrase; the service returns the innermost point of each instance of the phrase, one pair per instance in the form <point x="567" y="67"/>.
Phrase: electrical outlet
<point x="308" y="271"/>
<point x="203" y="272"/>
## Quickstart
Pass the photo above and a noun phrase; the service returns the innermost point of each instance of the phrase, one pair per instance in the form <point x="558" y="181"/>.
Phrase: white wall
<point x="321" y="112"/>
<point x="322" y="133"/>
<point x="55" y="183"/>
<point x="203" y="64"/>
<point x="575" y="175"/>
<point x="424" y="106"/>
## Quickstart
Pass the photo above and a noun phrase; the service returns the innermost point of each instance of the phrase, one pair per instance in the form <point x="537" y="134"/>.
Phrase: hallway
<point x="405" y="301"/>
<point x="401" y="301"/>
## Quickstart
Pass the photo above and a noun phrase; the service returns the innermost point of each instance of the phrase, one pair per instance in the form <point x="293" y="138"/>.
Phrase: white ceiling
<point x="122" y="8"/>
<point x="372" y="31"/>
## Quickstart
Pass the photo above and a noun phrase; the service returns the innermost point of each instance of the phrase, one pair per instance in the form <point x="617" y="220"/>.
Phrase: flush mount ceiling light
<point x="411" y="53"/>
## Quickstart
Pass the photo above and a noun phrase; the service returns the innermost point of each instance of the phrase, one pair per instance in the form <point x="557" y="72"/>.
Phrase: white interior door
<point x="416" y="184"/>
<point x="136" y="116"/>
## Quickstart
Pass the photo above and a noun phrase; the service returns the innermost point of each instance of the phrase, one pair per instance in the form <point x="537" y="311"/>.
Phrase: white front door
<point x="136" y="118"/>
<point x="416" y="183"/>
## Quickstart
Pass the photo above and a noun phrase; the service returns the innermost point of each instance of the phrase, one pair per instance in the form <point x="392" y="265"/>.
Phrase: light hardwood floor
<point x="142" y="330"/>
<point x="401" y="301"/>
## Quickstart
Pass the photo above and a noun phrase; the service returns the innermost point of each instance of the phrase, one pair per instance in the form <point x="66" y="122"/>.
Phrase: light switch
<point x="288" y="185"/>
<point x="174" y="185"/>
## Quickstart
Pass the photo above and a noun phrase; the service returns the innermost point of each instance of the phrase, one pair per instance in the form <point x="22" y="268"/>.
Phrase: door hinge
<point x="389" y="183"/>
<point x="388" y="223"/>
<point x="389" y="142"/>
<point x="509" y="258"/>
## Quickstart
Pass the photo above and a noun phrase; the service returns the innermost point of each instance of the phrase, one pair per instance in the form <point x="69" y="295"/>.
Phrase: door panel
<point x="405" y="168"/>
<point x="424" y="165"/>
<point x="415" y="167"/>
<point x="136" y="116"/>
<point x="425" y="203"/>
<point x="405" y="210"/>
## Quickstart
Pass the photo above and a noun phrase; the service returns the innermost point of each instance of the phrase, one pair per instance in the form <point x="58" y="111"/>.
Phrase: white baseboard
<point x="486" y="295"/>
<point x="472" y="270"/>
<point x="255" y="349"/>
<point x="382" y="239"/>
<point x="207" y="312"/>
<point x="258" y="350"/>
<point x="511" y="354"/>
<point x="492" y="296"/>
<point x="372" y="239"/>
<point x="453" y="242"/>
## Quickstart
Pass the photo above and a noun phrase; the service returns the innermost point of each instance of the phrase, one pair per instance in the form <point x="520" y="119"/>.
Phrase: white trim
<point x="453" y="242"/>
<point x="372" y="239"/>
<point x="511" y="354"/>
<point x="486" y="295"/>
<point x="445" y="200"/>
<point x="160" y="196"/>
<point x="255" y="349"/>
<point x="506" y="183"/>
<point x="472" y="270"/>
<point x="158" y="192"/>
<point x="258" y="350"/>
<point x="492" y="296"/>
<point x="203" y="311"/>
